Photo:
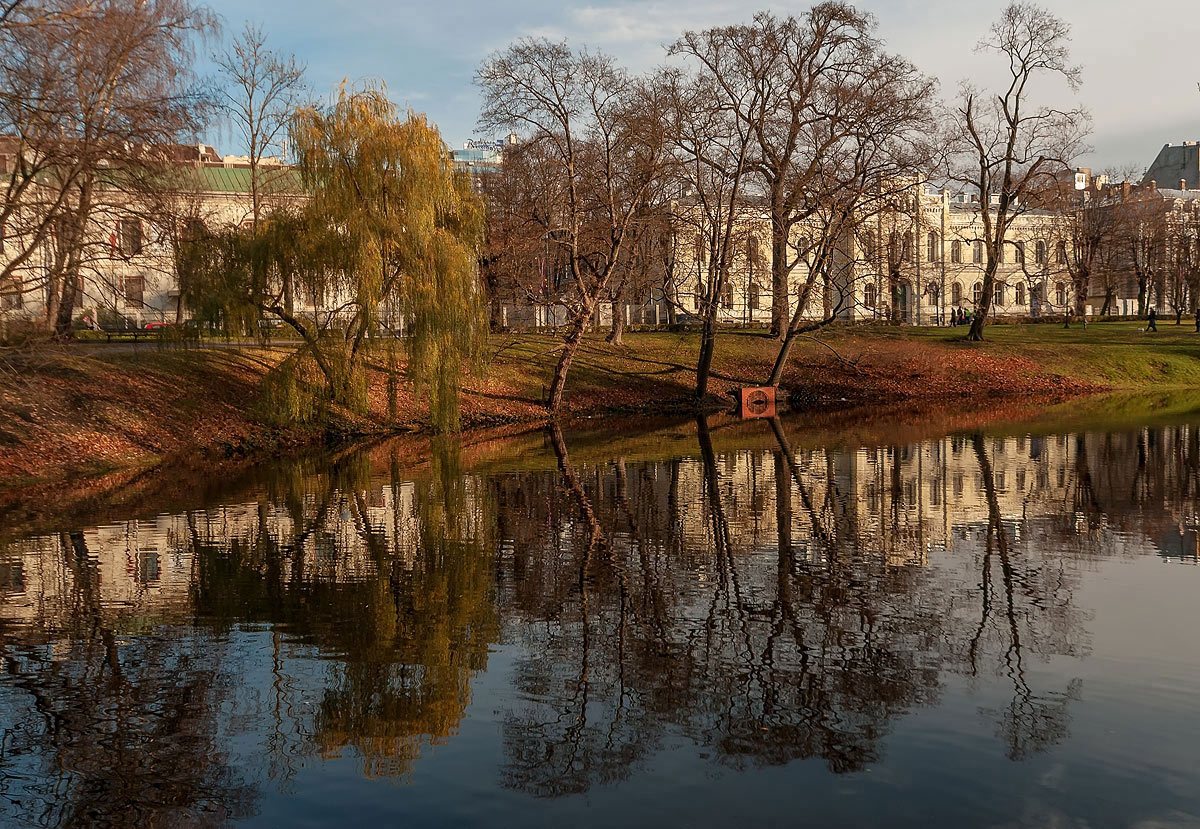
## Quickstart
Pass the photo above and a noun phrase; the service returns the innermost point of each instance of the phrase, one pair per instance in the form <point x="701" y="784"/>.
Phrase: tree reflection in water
<point x="760" y="605"/>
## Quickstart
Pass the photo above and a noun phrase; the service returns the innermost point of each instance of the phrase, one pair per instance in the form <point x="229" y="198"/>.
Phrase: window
<point x="956" y="293"/>
<point x="133" y="288"/>
<point x="868" y="244"/>
<point x="1039" y="252"/>
<point x="754" y="295"/>
<point x="933" y="291"/>
<point x="977" y="252"/>
<point x="129" y="237"/>
<point x="906" y="252"/>
<point x="1060" y="257"/>
<point x="10" y="295"/>
<point x="977" y="293"/>
<point x="727" y="294"/>
<point x="1020" y="293"/>
<point x="932" y="254"/>
<point x="998" y="293"/>
<point x="1020" y="251"/>
<point x="869" y="296"/>
<point x="956" y="252"/>
<point x="1060" y="293"/>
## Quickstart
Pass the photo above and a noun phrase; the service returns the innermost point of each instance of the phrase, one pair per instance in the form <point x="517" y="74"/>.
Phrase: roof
<point x="217" y="178"/>
<point x="1187" y="195"/>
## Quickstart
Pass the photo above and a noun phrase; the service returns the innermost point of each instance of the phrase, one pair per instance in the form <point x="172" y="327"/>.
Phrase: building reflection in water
<point x="761" y="604"/>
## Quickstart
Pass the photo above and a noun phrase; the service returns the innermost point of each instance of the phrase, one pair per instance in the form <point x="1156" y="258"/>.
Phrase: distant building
<point x="481" y="158"/>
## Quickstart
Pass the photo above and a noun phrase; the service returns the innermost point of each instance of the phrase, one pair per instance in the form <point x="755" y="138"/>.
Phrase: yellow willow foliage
<point x="407" y="229"/>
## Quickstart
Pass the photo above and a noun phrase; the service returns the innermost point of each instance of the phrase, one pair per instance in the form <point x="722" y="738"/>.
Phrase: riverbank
<point x="75" y="412"/>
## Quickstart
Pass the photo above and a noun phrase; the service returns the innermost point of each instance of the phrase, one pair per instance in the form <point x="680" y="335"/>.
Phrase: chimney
<point x="1183" y="184"/>
<point x="1153" y="185"/>
<point x="1124" y="189"/>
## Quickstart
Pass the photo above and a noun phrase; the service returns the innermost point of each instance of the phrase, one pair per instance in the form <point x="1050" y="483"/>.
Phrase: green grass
<point x="1114" y="354"/>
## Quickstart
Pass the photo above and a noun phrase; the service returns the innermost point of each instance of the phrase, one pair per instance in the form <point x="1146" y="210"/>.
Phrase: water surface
<point x="699" y="624"/>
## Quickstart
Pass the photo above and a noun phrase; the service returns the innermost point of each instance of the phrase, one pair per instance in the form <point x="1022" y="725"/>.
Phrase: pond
<point x="692" y="623"/>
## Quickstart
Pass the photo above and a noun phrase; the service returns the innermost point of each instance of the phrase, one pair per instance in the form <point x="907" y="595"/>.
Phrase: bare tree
<point x="711" y="147"/>
<point x="602" y="153"/>
<point x="1004" y="146"/>
<point x="104" y="94"/>
<point x="262" y="90"/>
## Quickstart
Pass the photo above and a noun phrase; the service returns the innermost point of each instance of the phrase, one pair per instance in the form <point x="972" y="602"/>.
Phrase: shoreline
<point x="75" y="416"/>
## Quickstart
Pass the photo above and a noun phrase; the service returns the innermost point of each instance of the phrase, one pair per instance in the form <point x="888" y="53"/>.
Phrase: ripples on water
<point x="692" y="626"/>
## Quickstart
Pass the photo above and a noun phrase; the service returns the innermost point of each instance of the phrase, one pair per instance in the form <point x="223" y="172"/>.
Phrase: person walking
<point x="1152" y="325"/>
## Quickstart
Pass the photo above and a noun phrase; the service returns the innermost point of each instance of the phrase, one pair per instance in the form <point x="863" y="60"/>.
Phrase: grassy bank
<point x="85" y="411"/>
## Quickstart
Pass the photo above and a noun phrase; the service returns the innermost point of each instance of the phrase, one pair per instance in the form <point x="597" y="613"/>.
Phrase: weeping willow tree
<point x="386" y="241"/>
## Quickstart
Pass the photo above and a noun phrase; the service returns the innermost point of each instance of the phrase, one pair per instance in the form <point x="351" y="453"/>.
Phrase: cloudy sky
<point x="1139" y="59"/>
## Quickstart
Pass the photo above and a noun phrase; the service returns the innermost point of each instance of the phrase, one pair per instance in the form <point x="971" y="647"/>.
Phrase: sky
<point x="1139" y="70"/>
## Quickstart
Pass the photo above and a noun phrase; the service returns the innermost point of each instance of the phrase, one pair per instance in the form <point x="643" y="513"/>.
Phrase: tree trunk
<point x="980" y="318"/>
<point x="1142" y="291"/>
<point x="781" y="359"/>
<point x="617" y="329"/>
<point x="1108" y="302"/>
<point x="708" y="345"/>
<point x="66" y="307"/>
<point x="570" y="345"/>
<point x="779" y="281"/>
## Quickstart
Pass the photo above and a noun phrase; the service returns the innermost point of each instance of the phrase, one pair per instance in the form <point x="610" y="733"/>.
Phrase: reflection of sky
<point x="1139" y="82"/>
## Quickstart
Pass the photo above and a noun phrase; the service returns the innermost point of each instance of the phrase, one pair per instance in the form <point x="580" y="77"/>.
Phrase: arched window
<point x="932" y="254"/>
<point x="727" y="294"/>
<point x="956" y="252"/>
<point x="977" y="293"/>
<point x="998" y="293"/>
<point x="906" y="251"/>
<point x="869" y="296"/>
<point x="956" y="293"/>
<point x="1020" y="293"/>
<point x="1039" y="252"/>
<point x="1020" y="249"/>
<point x="1060" y="256"/>
<point x="1060" y="293"/>
<point x="977" y="252"/>
<point x="755" y="291"/>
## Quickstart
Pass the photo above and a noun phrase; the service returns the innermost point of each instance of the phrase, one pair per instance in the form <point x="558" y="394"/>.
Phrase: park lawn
<point x="1118" y="354"/>
<point x="85" y="410"/>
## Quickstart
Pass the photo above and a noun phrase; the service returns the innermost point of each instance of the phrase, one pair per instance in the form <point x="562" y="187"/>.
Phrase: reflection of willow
<point x="1035" y="601"/>
<point x="662" y="632"/>
<point x="114" y="732"/>
<point x="406" y="629"/>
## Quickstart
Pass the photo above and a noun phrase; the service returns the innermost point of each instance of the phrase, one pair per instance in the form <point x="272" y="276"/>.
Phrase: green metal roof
<point x="220" y="179"/>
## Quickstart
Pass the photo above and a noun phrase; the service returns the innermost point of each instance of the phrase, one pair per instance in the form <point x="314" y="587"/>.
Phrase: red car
<point x="155" y="326"/>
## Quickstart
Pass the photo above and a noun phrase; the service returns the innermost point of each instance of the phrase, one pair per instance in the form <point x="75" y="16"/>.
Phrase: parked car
<point x="158" y="326"/>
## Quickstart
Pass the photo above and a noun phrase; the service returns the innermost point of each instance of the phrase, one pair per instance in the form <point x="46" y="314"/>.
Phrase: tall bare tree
<point x="712" y="149"/>
<point x="262" y="90"/>
<point x="1002" y="144"/>
<point x="587" y="117"/>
